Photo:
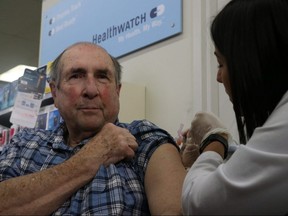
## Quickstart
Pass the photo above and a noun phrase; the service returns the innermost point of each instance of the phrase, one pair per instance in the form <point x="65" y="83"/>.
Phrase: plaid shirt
<point x="115" y="190"/>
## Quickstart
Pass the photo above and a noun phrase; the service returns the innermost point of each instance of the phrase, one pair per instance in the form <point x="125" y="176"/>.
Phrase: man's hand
<point x="110" y="145"/>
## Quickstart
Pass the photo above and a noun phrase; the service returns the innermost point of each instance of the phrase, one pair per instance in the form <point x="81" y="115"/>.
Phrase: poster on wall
<point x="121" y="27"/>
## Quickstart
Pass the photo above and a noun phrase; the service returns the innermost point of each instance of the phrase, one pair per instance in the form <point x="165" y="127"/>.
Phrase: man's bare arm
<point x="163" y="181"/>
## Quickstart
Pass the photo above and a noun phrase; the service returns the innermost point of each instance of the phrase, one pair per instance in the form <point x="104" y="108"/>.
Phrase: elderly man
<point x="91" y="163"/>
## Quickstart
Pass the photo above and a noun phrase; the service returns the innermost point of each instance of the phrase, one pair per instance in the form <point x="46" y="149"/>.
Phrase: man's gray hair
<point x="56" y="67"/>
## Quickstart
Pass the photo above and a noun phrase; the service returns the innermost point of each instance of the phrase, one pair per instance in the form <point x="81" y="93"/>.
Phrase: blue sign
<point x="120" y="27"/>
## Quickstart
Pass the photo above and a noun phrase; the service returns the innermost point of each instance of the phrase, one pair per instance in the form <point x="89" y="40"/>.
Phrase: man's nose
<point x="91" y="87"/>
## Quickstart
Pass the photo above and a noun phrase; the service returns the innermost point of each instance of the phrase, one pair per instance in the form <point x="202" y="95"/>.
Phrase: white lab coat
<point x="253" y="181"/>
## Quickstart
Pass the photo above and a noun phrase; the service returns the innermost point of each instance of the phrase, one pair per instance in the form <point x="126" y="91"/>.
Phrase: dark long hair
<point x="252" y="35"/>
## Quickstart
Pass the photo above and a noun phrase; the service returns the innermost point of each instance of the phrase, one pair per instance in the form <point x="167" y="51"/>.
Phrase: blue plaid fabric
<point x="115" y="190"/>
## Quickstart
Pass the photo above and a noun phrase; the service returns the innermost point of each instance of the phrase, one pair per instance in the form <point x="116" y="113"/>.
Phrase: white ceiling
<point x="20" y="22"/>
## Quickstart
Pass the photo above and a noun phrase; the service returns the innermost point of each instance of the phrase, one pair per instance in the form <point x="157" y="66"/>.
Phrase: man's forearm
<point x="43" y="192"/>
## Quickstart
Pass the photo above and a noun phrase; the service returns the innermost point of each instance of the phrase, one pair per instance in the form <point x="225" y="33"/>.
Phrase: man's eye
<point x="220" y="65"/>
<point x="76" y="76"/>
<point x="102" y="76"/>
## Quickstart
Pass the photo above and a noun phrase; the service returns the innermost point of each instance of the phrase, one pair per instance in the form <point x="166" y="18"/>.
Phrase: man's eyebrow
<point x="76" y="69"/>
<point x="105" y="70"/>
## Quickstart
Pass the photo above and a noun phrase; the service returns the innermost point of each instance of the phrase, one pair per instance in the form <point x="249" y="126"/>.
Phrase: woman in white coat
<point x="251" y="47"/>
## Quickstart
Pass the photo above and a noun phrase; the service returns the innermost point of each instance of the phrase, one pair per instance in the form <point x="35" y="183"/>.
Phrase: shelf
<point x="5" y="117"/>
<point x="5" y="114"/>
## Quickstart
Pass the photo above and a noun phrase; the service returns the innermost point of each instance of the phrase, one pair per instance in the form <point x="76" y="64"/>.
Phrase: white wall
<point x="180" y="73"/>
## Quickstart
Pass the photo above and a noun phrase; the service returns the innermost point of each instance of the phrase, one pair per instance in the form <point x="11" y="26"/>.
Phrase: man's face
<point x="88" y="96"/>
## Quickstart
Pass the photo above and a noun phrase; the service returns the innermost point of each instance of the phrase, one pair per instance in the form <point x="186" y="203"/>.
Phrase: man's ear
<point x="119" y="89"/>
<point x="53" y="92"/>
<point x="53" y="88"/>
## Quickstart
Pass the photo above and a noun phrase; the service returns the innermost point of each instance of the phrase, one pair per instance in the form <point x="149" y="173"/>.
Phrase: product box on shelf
<point x="54" y="119"/>
<point x="4" y="96"/>
<point x="41" y="122"/>
<point x="12" y="92"/>
<point x="6" y="135"/>
<point x="48" y="118"/>
<point x="8" y="93"/>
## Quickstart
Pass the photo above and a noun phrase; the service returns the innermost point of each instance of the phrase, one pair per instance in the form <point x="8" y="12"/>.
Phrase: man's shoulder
<point x="145" y="129"/>
<point x="38" y="132"/>
<point x="31" y="137"/>
<point x="27" y="138"/>
<point x="31" y="132"/>
<point x="137" y="123"/>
